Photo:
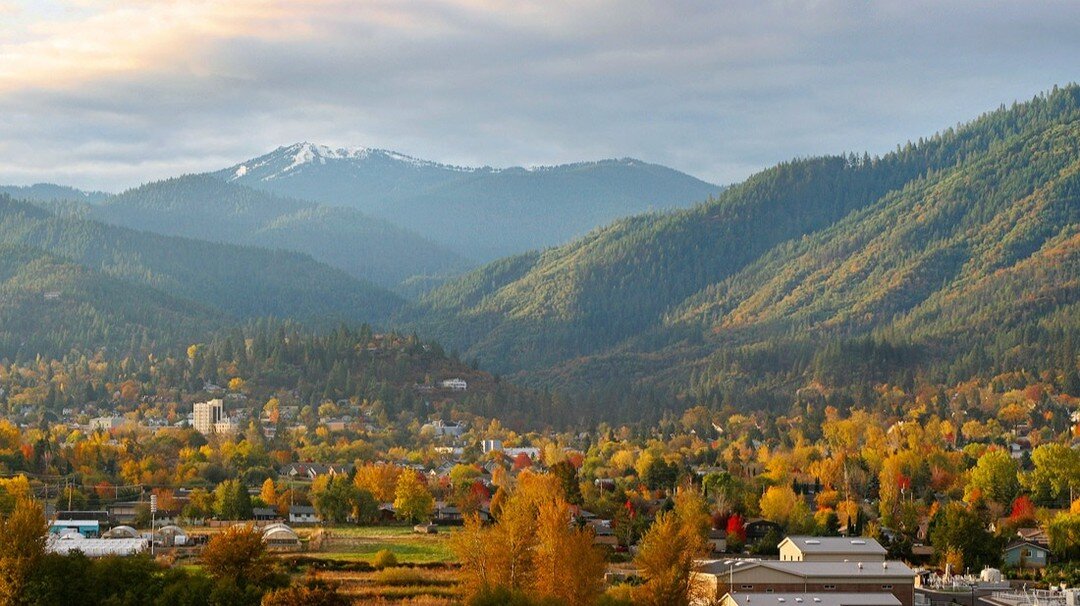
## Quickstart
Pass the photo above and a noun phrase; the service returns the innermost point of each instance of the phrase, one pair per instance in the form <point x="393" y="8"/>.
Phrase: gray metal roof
<point x="837" y="545"/>
<point x="852" y="569"/>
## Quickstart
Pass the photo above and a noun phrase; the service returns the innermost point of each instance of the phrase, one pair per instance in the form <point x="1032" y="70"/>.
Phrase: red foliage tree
<point x="736" y="527"/>
<point x="1022" y="509"/>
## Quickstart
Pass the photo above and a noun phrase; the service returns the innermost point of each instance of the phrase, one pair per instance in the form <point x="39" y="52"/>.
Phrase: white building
<point x="105" y="423"/>
<point x="439" y="428"/>
<point x="455" y="384"/>
<point x="207" y="415"/>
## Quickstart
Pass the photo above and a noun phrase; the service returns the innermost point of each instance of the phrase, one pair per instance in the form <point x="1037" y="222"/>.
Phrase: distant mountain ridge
<point x="50" y="192"/>
<point x="203" y="207"/>
<point x="954" y="255"/>
<point x="482" y="213"/>
<point x="237" y="282"/>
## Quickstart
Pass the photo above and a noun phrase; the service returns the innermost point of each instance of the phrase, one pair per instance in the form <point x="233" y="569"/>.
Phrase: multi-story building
<point x="207" y="415"/>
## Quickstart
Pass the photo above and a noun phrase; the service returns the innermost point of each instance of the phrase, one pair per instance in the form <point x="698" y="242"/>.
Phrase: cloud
<point x="106" y="93"/>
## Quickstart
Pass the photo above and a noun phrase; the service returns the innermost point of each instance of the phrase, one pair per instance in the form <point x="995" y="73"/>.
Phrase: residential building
<point x="303" y="514"/>
<point x="310" y="471"/>
<point x="106" y="423"/>
<point x="1025" y="554"/>
<point x="207" y="414"/>
<point x="454" y="384"/>
<point x="440" y="429"/>
<point x="757" y="528"/>
<point x="831" y="549"/>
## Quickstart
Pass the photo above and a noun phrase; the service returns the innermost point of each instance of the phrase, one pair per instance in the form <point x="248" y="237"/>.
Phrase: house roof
<point x="855" y="546"/>
<point x="815" y="599"/>
<point x="1015" y="543"/>
<point x="302" y="509"/>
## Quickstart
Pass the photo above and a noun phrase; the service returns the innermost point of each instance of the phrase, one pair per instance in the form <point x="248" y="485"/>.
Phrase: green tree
<point x="334" y="497"/>
<point x="959" y="530"/>
<point x="995" y="475"/>
<point x="232" y="501"/>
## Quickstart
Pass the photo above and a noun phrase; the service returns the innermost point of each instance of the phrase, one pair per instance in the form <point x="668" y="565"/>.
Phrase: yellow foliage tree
<point x="412" y="499"/>
<point x="22" y="546"/>
<point x="380" y="479"/>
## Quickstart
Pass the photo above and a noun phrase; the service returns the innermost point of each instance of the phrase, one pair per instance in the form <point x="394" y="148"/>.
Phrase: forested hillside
<point x="483" y="213"/>
<point x="240" y="282"/>
<point x="895" y="265"/>
<point x="52" y="306"/>
<point x="202" y="207"/>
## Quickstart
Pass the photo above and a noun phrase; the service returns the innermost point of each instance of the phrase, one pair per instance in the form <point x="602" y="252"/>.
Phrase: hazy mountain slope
<point x="239" y="281"/>
<point x="817" y="249"/>
<point x="49" y="192"/>
<point x="50" y="305"/>
<point x="483" y="213"/>
<point x="203" y="207"/>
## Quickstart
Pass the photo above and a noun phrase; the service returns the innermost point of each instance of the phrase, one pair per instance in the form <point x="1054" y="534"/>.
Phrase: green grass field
<point x="352" y="543"/>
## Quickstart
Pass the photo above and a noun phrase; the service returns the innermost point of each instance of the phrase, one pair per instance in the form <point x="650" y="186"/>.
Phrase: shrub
<point x="384" y="559"/>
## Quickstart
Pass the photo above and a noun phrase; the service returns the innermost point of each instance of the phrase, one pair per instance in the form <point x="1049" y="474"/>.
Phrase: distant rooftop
<point x="837" y="545"/>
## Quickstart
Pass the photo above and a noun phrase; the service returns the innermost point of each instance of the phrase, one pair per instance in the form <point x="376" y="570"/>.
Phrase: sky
<point x="108" y="94"/>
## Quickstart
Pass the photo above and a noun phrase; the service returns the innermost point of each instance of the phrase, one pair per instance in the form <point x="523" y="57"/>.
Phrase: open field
<point x="352" y="543"/>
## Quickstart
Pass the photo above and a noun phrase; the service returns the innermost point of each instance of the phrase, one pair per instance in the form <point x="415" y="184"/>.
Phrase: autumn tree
<point x="380" y="479"/>
<point x="268" y="492"/>
<point x="666" y="558"/>
<point x="780" y="504"/>
<point x="237" y="560"/>
<point x="412" y="499"/>
<point x="568" y="566"/>
<point x="22" y="547"/>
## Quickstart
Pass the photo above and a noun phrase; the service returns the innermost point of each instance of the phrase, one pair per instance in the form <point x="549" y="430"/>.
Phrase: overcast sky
<point x="111" y="93"/>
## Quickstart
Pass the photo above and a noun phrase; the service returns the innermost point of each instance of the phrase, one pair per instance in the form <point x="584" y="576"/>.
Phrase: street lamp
<point x="153" y="514"/>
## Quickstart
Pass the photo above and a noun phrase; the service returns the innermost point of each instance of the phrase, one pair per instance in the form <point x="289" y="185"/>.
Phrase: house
<point x="757" y="528"/>
<point x="262" y="514"/>
<point x="125" y="512"/>
<point x="1025" y="554"/>
<point x="1034" y="535"/>
<point x="438" y="428"/>
<point x="446" y="513"/>
<point x="303" y="514"/>
<point x="770" y="576"/>
<point x="454" y="384"/>
<point x="309" y="471"/>
<point x="105" y="423"/>
<point x="718" y="540"/>
<point x="810" y="599"/>
<point x="603" y="533"/>
<point x="831" y="549"/>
